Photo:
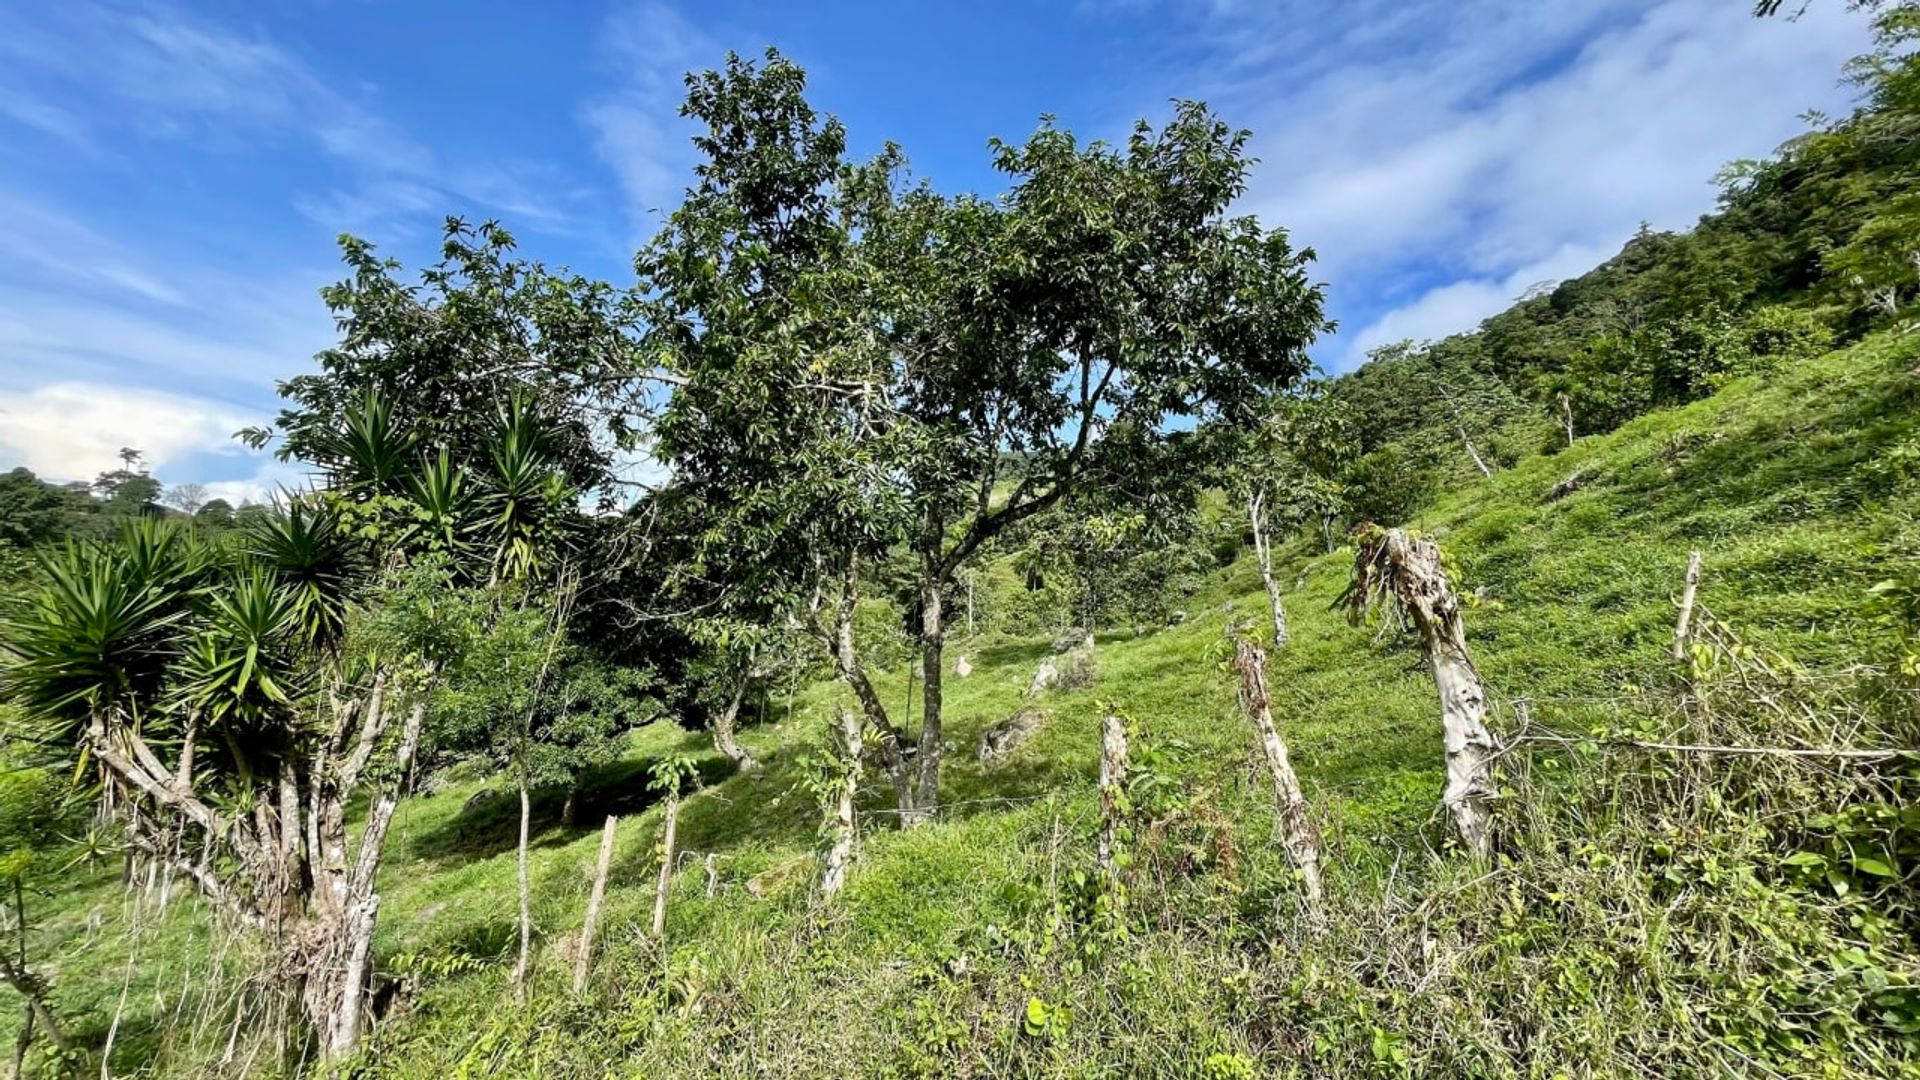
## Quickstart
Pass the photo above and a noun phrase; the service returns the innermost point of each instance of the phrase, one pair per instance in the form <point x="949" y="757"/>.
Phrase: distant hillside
<point x="1816" y="246"/>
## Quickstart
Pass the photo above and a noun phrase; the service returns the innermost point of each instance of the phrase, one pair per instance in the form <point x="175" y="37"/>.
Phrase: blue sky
<point x="172" y="177"/>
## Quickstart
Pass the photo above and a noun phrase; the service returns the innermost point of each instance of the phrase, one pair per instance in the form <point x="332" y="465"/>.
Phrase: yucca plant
<point x="134" y="648"/>
<point x="525" y="497"/>
<point x="316" y="561"/>
<point x="243" y="669"/>
<point x="371" y="454"/>
<point x="443" y="508"/>
<point x="97" y="638"/>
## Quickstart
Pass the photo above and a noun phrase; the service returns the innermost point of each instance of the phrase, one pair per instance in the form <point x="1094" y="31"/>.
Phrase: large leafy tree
<point x="33" y="511"/>
<point x="865" y="364"/>
<point x="440" y="352"/>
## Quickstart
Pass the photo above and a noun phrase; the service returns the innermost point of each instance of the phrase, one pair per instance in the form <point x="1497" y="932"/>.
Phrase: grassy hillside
<point x="969" y="947"/>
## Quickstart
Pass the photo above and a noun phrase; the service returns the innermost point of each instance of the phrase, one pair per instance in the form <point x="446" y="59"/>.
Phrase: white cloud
<point x="264" y="486"/>
<point x="1462" y="304"/>
<point x="1471" y="139"/>
<point x="71" y="431"/>
<point x="636" y="127"/>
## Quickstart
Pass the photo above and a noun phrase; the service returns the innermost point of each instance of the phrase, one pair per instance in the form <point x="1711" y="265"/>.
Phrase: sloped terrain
<point x="976" y="945"/>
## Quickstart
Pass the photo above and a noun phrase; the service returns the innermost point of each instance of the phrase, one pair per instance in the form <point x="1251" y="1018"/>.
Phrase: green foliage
<point x="671" y="774"/>
<point x="1649" y="910"/>
<point x="34" y="512"/>
<point x="1389" y="485"/>
<point x="1815" y="245"/>
<point x="38" y="814"/>
<point x="414" y="348"/>
<point x="1053" y="330"/>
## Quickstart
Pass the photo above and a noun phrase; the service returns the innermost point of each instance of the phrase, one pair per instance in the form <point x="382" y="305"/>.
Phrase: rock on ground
<point x="1004" y="737"/>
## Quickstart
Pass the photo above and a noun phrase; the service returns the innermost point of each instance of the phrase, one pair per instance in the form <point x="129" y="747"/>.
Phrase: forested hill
<point x="1810" y="248"/>
<point x="1026" y="667"/>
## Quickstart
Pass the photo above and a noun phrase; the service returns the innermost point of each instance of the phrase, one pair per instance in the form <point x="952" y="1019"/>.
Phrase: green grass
<point x="1799" y="490"/>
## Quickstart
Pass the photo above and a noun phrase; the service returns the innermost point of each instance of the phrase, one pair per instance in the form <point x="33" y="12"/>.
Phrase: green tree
<point x="128" y="490"/>
<point x="214" y="514"/>
<point x="33" y="511"/>
<point x="235" y="693"/>
<point x="482" y="326"/>
<point x="864" y="364"/>
<point x="36" y="809"/>
<point x="1288" y="472"/>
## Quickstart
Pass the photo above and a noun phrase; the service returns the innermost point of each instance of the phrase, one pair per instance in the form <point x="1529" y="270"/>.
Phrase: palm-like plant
<point x="371" y="454"/>
<point x="443" y="507"/>
<point x="316" y="560"/>
<point x="242" y="670"/>
<point x="97" y="639"/>
<point x="526" y="495"/>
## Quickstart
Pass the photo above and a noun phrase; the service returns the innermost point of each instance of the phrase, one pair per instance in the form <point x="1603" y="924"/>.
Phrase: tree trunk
<point x="1416" y="577"/>
<point x="1263" y="553"/>
<point x="1683" y="629"/>
<point x="21" y="1044"/>
<point x="1478" y="462"/>
<point x="341" y="961"/>
<point x="584" y="962"/>
<point x="1296" y="826"/>
<point x="838" y="806"/>
<point x="570" y="809"/>
<point x="526" y="898"/>
<point x="284" y="868"/>
<point x="1566" y="417"/>
<point x="1113" y="779"/>
<point x="724" y="722"/>
<point x="933" y="640"/>
<point x="666" y="863"/>
<point x="846" y="657"/>
<point x="357" y="945"/>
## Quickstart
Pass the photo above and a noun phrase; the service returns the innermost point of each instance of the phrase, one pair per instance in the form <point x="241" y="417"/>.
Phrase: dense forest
<point x="1020" y="660"/>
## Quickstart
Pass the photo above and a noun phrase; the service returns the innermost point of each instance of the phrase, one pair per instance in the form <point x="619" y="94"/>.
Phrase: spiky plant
<point x="317" y="562"/>
<point x="243" y="670"/>
<point x="525" y="497"/>
<point x="371" y="454"/>
<point x="97" y="639"/>
<point x="443" y="508"/>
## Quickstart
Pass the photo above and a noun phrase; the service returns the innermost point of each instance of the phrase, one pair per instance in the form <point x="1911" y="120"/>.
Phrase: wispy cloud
<point x="56" y="246"/>
<point x="1432" y="151"/>
<point x="648" y="48"/>
<point x="77" y="303"/>
<point x="160" y="74"/>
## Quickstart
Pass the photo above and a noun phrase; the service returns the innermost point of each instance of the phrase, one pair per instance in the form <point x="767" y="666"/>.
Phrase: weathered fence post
<point x="1296" y="827"/>
<point x="666" y="862"/>
<point x="585" y="960"/>
<point x="1392" y="564"/>
<point x="1113" y="779"/>
<point x="838" y="806"/>
<point x="1683" y="629"/>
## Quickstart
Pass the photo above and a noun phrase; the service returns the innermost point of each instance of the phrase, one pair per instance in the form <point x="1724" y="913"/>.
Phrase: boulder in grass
<point x="1044" y="677"/>
<point x="1070" y="640"/>
<point x="1078" y="670"/>
<point x="1006" y="736"/>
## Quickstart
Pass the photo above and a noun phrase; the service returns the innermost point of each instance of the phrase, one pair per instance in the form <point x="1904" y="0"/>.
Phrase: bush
<point x="1389" y="486"/>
